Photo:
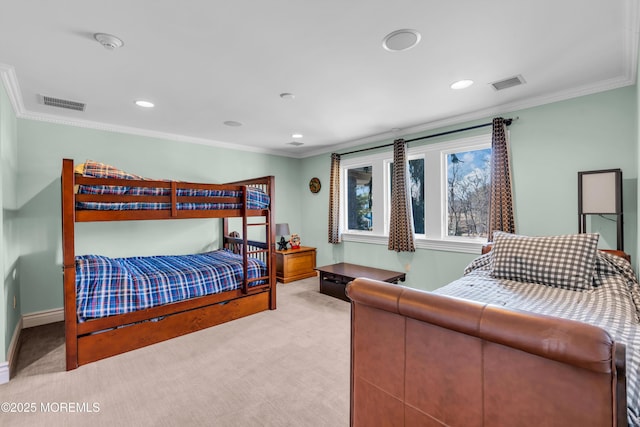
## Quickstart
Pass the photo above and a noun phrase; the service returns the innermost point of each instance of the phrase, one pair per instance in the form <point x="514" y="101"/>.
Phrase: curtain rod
<point x="506" y="121"/>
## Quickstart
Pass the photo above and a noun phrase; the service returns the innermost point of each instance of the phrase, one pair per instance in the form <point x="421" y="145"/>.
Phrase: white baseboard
<point x="12" y="353"/>
<point x="42" y="317"/>
<point x="4" y="373"/>
<point x="26" y="321"/>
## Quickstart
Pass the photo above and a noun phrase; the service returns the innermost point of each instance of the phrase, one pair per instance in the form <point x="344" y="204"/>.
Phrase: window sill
<point x="449" y="245"/>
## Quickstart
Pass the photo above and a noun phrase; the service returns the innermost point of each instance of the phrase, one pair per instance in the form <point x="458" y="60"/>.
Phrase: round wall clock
<point x="314" y="185"/>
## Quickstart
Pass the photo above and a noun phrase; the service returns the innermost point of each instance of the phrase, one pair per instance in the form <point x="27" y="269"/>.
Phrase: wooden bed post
<point x="68" y="264"/>
<point x="245" y="247"/>
<point x="271" y="242"/>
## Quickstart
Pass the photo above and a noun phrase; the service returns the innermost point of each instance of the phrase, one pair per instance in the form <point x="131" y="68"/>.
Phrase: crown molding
<point x="10" y="81"/>
<point x="631" y="42"/>
<point x="484" y="113"/>
<point x="50" y="118"/>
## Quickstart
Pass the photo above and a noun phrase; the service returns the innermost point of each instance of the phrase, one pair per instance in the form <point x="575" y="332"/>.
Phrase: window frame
<point x="435" y="187"/>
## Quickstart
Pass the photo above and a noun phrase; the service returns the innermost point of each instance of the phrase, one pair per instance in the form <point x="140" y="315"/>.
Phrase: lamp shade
<point x="599" y="192"/>
<point x="282" y="229"/>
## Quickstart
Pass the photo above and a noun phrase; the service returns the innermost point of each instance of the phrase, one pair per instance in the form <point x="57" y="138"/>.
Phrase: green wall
<point x="42" y="146"/>
<point x="550" y="144"/>
<point x="10" y="250"/>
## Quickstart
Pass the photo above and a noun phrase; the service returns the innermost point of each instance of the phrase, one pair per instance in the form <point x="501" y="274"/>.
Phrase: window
<point x="359" y="195"/>
<point x="449" y="184"/>
<point x="468" y="190"/>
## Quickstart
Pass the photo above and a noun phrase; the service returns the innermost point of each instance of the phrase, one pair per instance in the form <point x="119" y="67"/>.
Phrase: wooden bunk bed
<point x="92" y="339"/>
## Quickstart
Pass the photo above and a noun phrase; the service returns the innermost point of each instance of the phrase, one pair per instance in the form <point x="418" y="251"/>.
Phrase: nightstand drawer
<point x="301" y="263"/>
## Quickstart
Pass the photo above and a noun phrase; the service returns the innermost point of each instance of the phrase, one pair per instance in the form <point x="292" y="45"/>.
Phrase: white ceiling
<point x="204" y="62"/>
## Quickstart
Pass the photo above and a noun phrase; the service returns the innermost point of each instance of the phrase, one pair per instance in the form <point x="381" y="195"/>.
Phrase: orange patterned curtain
<point x="501" y="198"/>
<point x="401" y="223"/>
<point x="334" y="199"/>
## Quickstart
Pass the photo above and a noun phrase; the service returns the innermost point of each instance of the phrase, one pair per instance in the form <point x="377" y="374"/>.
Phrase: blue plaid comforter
<point x="108" y="286"/>
<point x="256" y="198"/>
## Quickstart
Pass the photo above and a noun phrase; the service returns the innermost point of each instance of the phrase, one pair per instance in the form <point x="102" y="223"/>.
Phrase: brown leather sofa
<point x="421" y="359"/>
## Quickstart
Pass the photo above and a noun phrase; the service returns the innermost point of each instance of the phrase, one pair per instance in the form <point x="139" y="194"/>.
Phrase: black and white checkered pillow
<point x="565" y="262"/>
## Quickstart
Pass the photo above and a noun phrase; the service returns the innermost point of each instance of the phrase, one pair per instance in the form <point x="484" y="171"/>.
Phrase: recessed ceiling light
<point x="400" y="40"/>
<point x="461" y="84"/>
<point x="287" y="95"/>
<point x="144" y="104"/>
<point x="297" y="135"/>
<point x="232" y="123"/>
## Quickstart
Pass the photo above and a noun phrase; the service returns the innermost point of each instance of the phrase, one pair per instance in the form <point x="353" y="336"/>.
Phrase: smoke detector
<point x="108" y="41"/>
<point x="400" y="40"/>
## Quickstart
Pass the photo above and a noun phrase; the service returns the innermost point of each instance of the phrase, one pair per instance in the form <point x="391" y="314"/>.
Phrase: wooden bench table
<point x="334" y="277"/>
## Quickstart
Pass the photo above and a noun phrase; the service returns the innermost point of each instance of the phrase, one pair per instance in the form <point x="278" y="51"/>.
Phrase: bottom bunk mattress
<point x="611" y="303"/>
<point x="109" y="286"/>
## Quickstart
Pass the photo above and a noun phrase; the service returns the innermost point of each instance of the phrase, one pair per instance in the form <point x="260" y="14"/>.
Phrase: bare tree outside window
<point x="359" y="199"/>
<point x="468" y="184"/>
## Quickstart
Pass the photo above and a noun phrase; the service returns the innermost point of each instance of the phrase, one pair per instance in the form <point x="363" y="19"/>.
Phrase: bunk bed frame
<point x="100" y="338"/>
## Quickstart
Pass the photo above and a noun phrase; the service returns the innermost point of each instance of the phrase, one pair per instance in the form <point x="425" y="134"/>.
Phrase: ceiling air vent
<point x="295" y="143"/>
<point x="507" y="83"/>
<point x="62" y="103"/>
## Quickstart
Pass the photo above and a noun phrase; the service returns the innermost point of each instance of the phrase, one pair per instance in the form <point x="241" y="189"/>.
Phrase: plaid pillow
<point x="565" y="262"/>
<point x="102" y="170"/>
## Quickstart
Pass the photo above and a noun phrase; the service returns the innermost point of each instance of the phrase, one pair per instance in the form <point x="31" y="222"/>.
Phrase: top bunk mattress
<point x="257" y="199"/>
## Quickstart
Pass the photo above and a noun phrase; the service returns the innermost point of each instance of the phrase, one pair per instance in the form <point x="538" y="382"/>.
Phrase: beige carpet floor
<point x="288" y="367"/>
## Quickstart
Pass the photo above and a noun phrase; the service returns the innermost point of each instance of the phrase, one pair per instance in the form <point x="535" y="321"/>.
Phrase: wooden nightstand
<point x="295" y="264"/>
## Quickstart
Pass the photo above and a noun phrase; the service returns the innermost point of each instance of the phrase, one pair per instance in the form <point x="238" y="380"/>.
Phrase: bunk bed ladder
<point x="265" y="251"/>
<point x="271" y="241"/>
<point x="245" y="247"/>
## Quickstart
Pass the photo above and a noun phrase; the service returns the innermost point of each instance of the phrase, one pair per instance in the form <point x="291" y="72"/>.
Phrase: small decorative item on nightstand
<point x="295" y="241"/>
<point x="282" y="230"/>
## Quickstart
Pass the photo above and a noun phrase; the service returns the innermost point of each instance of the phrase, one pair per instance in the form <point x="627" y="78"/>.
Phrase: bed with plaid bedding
<point x="256" y="198"/>
<point x="612" y="303"/>
<point x="109" y="286"/>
